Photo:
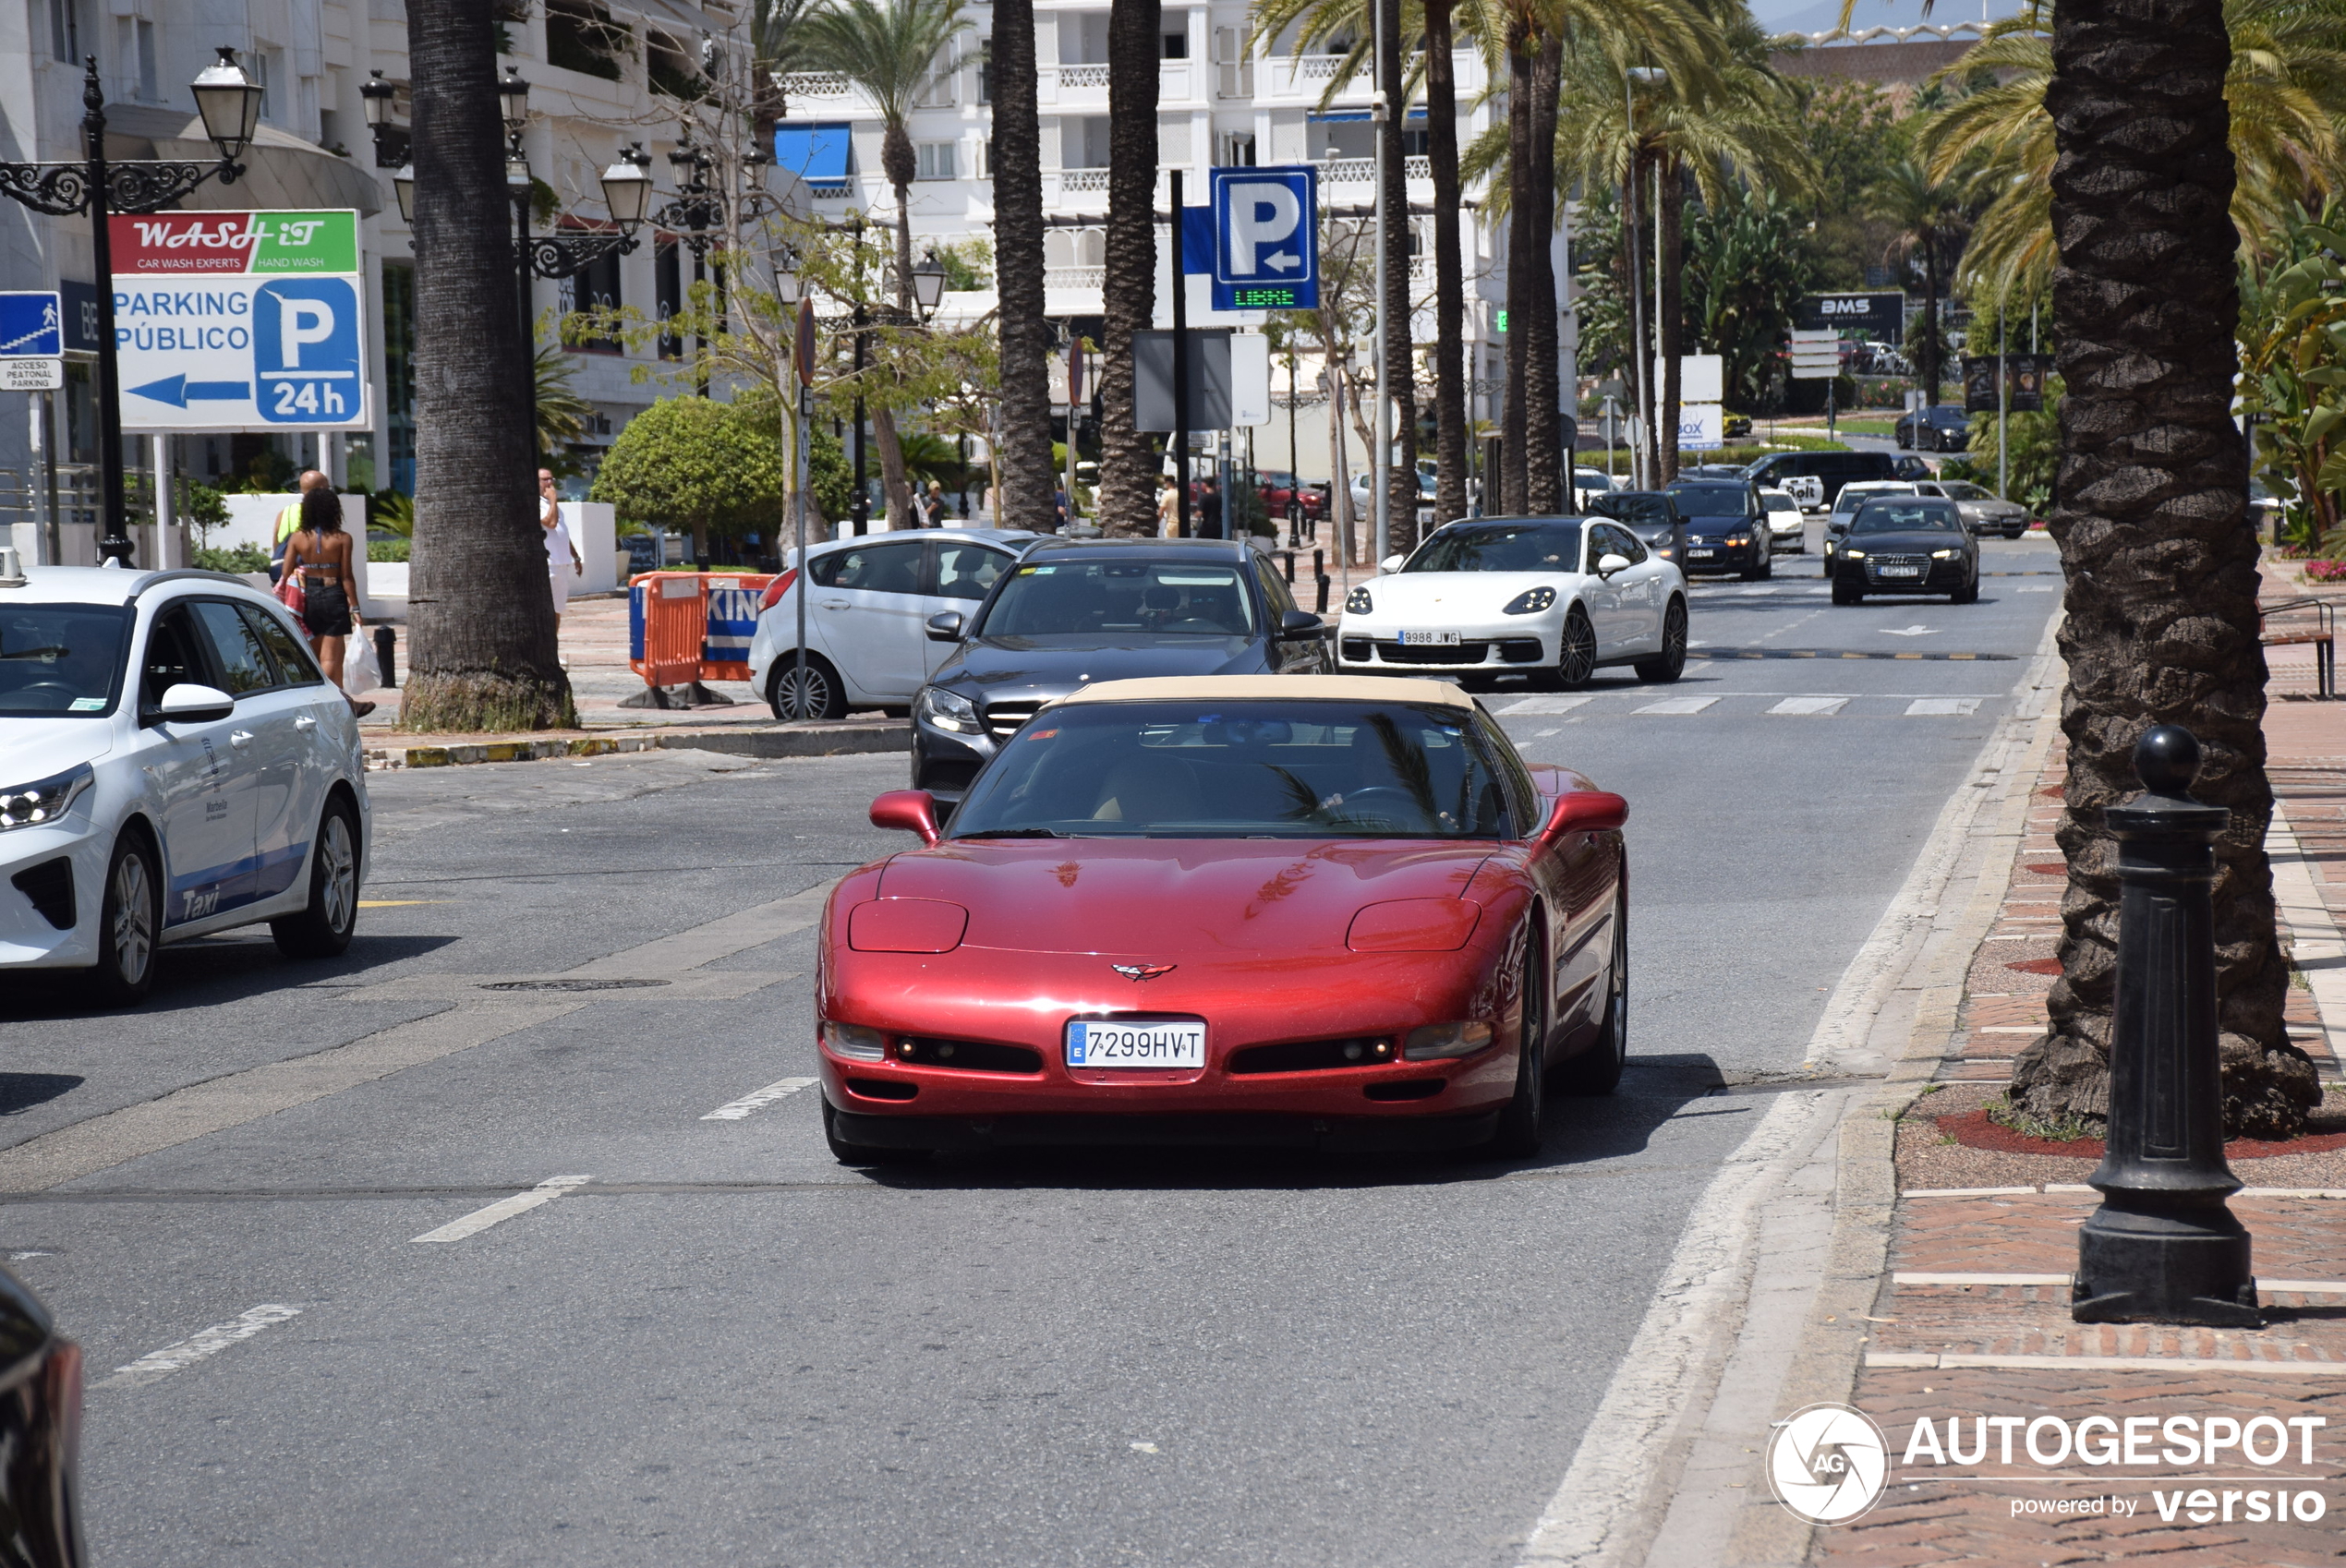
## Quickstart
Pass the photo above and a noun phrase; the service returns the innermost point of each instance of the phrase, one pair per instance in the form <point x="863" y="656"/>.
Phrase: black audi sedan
<point x="1906" y="545"/>
<point x="1726" y="527"/>
<point x="1076" y="611"/>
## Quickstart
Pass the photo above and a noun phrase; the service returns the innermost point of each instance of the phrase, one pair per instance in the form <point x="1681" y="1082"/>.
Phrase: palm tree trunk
<point x="1397" y="378"/>
<point x="2161" y="623"/>
<point x="1025" y="417"/>
<point x="1535" y="316"/>
<point x="1520" y="176"/>
<point x="1673" y="334"/>
<point x="1128" y="462"/>
<point x="482" y="652"/>
<point x="894" y="485"/>
<point x="1933" y="372"/>
<point x="1449" y="269"/>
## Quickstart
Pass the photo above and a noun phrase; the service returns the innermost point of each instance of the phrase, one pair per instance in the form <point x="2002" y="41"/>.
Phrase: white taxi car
<point x="1547" y="599"/>
<point x="173" y="763"/>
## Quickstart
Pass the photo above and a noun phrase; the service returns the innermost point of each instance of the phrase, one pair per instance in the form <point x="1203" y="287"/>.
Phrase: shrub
<point x="242" y="559"/>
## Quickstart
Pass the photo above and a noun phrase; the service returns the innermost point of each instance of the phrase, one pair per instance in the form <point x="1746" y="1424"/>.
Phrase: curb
<point x="812" y="741"/>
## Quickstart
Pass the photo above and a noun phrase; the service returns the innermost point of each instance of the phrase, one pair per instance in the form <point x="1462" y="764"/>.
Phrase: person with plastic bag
<point x="317" y="559"/>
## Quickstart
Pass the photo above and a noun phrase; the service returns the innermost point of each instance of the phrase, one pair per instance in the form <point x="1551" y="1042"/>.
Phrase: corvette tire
<point x="1597" y="1070"/>
<point x="1522" y="1125"/>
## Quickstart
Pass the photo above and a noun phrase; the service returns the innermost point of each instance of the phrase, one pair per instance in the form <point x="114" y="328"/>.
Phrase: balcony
<point x="1074" y="277"/>
<point x="1362" y="171"/>
<point x="1079" y="181"/>
<point x="800" y="85"/>
<point x="1082" y="75"/>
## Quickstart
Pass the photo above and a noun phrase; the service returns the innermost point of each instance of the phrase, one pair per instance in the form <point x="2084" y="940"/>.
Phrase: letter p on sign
<point x="301" y="321"/>
<point x="1261" y="215"/>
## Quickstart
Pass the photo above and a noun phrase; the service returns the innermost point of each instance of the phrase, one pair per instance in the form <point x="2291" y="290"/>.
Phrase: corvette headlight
<point x="1854" y="554"/>
<point x="44" y="800"/>
<point x="1358" y="603"/>
<point x="1944" y="554"/>
<point x="1436" y="1041"/>
<point x="941" y="709"/>
<point x="853" y="1042"/>
<point x="1531" y="601"/>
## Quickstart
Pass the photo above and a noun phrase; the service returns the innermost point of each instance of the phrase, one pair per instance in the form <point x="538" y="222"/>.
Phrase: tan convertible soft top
<point x="1272" y="688"/>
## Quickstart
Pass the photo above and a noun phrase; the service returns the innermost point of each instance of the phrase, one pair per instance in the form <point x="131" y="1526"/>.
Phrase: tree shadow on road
<point x="209" y="972"/>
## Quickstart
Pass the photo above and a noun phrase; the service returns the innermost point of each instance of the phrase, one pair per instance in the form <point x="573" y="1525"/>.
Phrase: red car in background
<point x="1321" y="912"/>
<point x="1287" y="500"/>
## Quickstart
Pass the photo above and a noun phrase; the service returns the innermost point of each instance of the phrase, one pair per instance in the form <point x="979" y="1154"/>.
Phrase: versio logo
<point x="1828" y="1463"/>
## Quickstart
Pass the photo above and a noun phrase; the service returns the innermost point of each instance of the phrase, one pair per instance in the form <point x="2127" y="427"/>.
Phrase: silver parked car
<point x="1983" y="513"/>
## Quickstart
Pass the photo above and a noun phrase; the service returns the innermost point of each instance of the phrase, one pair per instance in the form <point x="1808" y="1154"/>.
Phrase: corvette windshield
<point x="1547" y="544"/>
<point x="1172" y="598"/>
<point x="63" y="659"/>
<point x="1239" y="770"/>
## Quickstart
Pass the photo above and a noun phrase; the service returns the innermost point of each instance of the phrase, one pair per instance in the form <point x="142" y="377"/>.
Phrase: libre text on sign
<point x="241" y="321"/>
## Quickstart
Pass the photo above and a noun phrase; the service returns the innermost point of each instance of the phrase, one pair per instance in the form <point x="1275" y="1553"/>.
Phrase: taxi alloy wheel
<point x="324" y="926"/>
<point x="127" y="923"/>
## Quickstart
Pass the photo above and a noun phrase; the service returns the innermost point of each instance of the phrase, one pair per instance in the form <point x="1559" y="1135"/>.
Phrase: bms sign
<point x="1881" y="317"/>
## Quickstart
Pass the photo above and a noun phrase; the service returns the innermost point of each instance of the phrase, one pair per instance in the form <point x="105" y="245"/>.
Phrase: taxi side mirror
<point x="187" y="703"/>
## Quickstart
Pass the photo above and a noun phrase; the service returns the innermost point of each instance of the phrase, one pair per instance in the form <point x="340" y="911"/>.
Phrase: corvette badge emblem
<point x="1138" y="972"/>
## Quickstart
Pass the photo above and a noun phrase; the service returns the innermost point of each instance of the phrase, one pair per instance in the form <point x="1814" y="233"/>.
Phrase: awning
<point x="1334" y="117"/>
<point x="816" y="153"/>
<point x="281" y="170"/>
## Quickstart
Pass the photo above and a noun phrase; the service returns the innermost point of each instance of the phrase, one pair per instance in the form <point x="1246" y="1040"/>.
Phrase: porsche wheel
<point x="1575" y="654"/>
<point x="863" y="1153"/>
<point x="1522" y="1124"/>
<point x="1671" y="662"/>
<point x="1597" y="1070"/>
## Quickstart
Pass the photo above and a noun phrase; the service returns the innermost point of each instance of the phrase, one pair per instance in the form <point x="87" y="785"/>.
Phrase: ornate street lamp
<point x="391" y="142"/>
<point x="928" y="284"/>
<point x="230" y="104"/>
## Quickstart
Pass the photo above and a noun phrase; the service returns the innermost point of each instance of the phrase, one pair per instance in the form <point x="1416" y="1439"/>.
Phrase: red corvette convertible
<point x="1325" y="911"/>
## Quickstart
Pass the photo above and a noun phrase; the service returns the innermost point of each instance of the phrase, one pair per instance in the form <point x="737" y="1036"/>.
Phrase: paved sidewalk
<point x="1970" y="1321"/>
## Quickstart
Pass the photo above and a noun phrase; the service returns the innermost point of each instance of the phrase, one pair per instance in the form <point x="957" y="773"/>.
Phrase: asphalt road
<point x="720" y="1346"/>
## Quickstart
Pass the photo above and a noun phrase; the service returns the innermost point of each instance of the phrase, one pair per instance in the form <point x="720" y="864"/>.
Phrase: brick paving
<point x="1996" y="1512"/>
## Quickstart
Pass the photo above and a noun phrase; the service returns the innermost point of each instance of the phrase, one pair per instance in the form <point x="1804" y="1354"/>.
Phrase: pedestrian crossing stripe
<point x="1856" y="653"/>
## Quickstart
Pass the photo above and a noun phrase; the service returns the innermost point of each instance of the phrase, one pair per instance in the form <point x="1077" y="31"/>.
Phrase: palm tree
<point x="1397" y="379"/>
<point x="1128" y="461"/>
<point x="1929" y="215"/>
<point x="562" y="412"/>
<point x="1450" y="267"/>
<point x="2161" y="622"/>
<point x="776" y="48"/>
<point x="887" y="48"/>
<point x="1024" y="496"/>
<point x="482" y="651"/>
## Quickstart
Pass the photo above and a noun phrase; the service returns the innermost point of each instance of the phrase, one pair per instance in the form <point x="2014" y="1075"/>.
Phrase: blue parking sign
<point x="32" y="326"/>
<point x="1266" y="238"/>
<point x="306" y="351"/>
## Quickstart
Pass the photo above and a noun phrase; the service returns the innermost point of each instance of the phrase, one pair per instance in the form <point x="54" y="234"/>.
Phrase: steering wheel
<point x="1391" y="796"/>
<point x="57" y="686"/>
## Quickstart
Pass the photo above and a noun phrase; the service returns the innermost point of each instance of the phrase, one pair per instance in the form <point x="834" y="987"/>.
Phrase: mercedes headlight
<point x="1358" y="603"/>
<point x="44" y="800"/>
<point x="955" y="715"/>
<point x="1531" y="601"/>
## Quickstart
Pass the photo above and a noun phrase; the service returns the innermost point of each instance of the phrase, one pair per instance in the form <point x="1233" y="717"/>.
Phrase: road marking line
<point x="1935" y="708"/>
<point x="735" y="1110"/>
<point x="504" y="1209"/>
<point x="1546" y="704"/>
<point x="1822" y="707"/>
<point x="196" y="1346"/>
<point x="1677" y="706"/>
<point x="719" y="938"/>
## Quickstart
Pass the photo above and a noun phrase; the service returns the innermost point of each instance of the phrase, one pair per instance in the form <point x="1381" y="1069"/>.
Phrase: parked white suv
<point x="866" y="610"/>
<point x="173" y="763"/>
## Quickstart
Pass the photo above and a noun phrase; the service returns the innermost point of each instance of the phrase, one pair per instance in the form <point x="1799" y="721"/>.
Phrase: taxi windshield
<point x="1168" y="598"/>
<point x="61" y="660"/>
<point x="1546" y="544"/>
<point x="1906" y="518"/>
<point x="1239" y="770"/>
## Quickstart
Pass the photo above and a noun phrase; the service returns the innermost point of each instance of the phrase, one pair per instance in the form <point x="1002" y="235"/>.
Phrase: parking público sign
<point x="241" y="321"/>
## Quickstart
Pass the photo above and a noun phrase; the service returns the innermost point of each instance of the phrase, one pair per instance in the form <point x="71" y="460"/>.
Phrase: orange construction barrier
<point x="688" y="626"/>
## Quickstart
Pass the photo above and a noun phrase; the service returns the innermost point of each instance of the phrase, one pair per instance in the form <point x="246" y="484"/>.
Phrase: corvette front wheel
<point x="1522" y="1124"/>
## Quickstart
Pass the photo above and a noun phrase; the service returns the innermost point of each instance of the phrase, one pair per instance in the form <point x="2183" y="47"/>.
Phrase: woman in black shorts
<point x="320" y="551"/>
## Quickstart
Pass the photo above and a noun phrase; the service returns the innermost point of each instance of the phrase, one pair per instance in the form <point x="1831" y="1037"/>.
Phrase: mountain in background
<point x="1820" y="16"/>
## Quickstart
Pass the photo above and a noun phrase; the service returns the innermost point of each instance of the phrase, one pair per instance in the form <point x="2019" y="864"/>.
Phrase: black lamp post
<point x="2163" y="1248"/>
<point x="626" y="193"/>
<point x="391" y="142"/>
<point x="230" y="104"/>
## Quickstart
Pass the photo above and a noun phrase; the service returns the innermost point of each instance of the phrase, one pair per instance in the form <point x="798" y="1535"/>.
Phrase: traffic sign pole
<point x="1181" y="371"/>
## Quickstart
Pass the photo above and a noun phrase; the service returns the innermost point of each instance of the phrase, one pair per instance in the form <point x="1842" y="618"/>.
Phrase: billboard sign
<point x="241" y="354"/>
<point x="1880" y="316"/>
<point x="234" y="244"/>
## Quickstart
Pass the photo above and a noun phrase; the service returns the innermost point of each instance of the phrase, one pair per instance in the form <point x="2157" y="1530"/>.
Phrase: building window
<point x="136" y="58"/>
<point x="669" y="70"/>
<point x="596" y="288"/>
<point x="67" y="28"/>
<point x="580" y="36"/>
<point x="1176" y="25"/>
<point x="937" y="160"/>
<point x="399" y="374"/>
<point x="668" y="280"/>
<point x="1084" y="141"/>
<point x="1238" y="150"/>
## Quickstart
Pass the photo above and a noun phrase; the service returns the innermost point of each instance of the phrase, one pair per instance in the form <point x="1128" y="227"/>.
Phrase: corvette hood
<point x="1164" y="898"/>
<point x="1423" y="595"/>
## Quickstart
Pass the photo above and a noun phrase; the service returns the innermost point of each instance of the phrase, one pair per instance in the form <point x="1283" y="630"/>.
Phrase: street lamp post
<point x="230" y="104"/>
<point x="1642" y="449"/>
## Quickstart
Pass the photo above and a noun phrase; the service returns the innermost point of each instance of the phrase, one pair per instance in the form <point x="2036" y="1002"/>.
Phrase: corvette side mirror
<point x="1584" y="811"/>
<point x="914" y="810"/>
<point x="944" y="626"/>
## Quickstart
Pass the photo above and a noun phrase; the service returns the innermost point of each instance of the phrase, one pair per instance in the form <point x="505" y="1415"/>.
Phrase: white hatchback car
<point x="1551" y="599"/>
<point x="871" y="599"/>
<point x="1786" y="520"/>
<point x="176" y="764"/>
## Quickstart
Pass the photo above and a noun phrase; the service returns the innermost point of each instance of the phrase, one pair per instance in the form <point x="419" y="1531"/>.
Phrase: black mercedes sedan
<point x="1906" y="545"/>
<point x="1076" y="611"/>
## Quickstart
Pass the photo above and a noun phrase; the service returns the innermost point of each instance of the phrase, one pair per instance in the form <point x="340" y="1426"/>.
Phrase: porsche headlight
<point x="1437" y="1041"/>
<point x="1944" y="554"/>
<point x="1358" y="603"/>
<point x="1531" y="601"/>
<point x="941" y="709"/>
<point x="853" y="1042"/>
<point x="44" y="800"/>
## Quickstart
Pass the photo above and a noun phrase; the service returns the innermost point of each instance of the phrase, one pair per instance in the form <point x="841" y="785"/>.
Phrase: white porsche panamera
<point x="1550" y="598"/>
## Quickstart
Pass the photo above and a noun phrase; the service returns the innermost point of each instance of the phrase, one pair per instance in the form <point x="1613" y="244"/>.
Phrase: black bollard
<point x="1322" y="607"/>
<point x="1287" y="559"/>
<point x="384" y="643"/>
<point x="2163" y="1248"/>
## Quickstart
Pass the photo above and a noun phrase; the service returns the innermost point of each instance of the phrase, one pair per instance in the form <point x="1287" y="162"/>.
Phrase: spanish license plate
<point x="1138" y="1042"/>
<point x="1701" y="554"/>
<point x="1429" y="639"/>
<point x="1901" y="571"/>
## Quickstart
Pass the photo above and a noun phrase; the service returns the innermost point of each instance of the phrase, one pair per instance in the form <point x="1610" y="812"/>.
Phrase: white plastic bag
<point x="360" y="673"/>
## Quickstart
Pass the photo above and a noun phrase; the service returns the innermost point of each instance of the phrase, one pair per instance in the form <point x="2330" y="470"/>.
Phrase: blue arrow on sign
<point x="179" y="392"/>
